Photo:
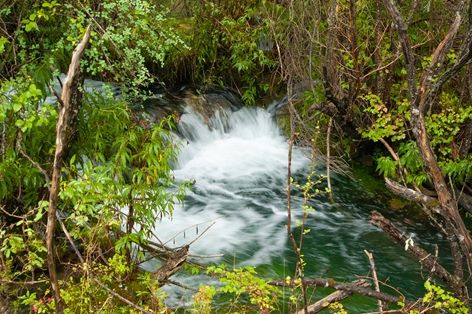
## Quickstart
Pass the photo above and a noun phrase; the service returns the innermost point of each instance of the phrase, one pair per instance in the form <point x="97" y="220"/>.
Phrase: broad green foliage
<point x="124" y="174"/>
<point x="388" y="123"/>
<point x="118" y="173"/>
<point x="443" y="127"/>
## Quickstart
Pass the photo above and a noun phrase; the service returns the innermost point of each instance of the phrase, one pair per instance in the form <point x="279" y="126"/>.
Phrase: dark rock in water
<point x="205" y="100"/>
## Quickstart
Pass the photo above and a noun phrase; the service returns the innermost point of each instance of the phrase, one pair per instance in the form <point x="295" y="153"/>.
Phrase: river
<point x="239" y="164"/>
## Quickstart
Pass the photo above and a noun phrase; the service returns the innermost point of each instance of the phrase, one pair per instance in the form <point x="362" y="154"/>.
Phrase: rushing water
<point x="239" y="164"/>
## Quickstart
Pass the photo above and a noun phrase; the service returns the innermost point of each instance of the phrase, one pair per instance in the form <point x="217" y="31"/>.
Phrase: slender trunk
<point x="71" y="99"/>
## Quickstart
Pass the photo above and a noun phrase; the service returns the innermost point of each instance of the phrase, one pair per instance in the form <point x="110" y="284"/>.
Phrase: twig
<point x="196" y="225"/>
<point x="104" y="303"/>
<point x="328" y="153"/>
<point x="180" y="285"/>
<point x="395" y="157"/>
<point x="201" y="234"/>
<point x="26" y="283"/>
<point x="206" y="256"/>
<point x="61" y="103"/>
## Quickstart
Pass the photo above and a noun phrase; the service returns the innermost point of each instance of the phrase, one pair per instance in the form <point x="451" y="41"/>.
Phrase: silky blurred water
<point x="239" y="164"/>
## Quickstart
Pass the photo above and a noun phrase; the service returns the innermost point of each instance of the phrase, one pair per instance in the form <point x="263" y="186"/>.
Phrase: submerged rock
<point x="205" y="100"/>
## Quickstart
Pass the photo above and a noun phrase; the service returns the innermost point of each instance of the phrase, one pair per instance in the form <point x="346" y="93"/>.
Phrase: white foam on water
<point x="239" y="164"/>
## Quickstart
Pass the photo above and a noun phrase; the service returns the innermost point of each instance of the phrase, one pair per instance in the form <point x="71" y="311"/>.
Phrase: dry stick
<point x="374" y="276"/>
<point x="328" y="153"/>
<point x="90" y="275"/>
<point x="62" y="128"/>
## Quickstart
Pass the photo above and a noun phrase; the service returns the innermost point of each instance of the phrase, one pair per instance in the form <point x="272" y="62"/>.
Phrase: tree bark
<point x="401" y="28"/>
<point x="171" y="266"/>
<point x="65" y="129"/>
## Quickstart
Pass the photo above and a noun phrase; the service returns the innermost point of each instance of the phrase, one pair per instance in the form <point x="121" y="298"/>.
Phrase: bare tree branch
<point x="401" y="27"/>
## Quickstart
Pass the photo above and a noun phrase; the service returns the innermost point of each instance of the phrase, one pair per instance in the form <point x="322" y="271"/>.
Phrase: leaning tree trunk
<point x="421" y="98"/>
<point x="69" y="106"/>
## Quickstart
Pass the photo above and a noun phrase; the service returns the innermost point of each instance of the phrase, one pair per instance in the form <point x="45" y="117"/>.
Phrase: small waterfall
<point x="238" y="161"/>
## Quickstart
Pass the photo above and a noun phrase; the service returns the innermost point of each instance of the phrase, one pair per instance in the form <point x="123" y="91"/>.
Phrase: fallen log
<point x="343" y="286"/>
<point x="333" y="297"/>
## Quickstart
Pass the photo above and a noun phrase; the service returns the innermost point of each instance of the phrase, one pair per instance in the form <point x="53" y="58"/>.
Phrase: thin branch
<point x="374" y="275"/>
<point x="328" y="154"/>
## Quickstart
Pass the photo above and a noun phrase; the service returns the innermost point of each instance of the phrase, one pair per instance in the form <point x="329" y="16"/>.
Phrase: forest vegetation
<point x="388" y="76"/>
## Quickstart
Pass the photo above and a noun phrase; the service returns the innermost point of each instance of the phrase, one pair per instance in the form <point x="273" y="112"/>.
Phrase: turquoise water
<point x="239" y="194"/>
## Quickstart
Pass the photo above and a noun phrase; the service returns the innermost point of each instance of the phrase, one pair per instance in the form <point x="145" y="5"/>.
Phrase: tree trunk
<point x="71" y="100"/>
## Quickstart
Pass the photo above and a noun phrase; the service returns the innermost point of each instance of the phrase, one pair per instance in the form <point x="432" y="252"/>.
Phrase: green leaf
<point x="3" y="42"/>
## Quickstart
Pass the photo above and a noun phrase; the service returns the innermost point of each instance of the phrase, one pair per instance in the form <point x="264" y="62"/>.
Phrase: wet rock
<point x="205" y="100"/>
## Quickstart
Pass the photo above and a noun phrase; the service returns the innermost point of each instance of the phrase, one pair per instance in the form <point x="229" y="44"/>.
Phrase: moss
<point x="396" y="204"/>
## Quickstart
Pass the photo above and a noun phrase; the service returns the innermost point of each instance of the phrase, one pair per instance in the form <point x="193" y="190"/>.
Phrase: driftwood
<point x="333" y="297"/>
<point x="71" y="100"/>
